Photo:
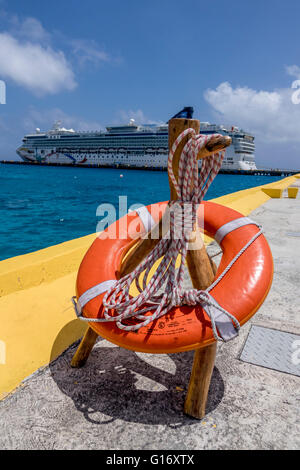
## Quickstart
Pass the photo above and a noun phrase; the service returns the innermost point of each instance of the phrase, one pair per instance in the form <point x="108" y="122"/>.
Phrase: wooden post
<point x="202" y="275"/>
<point x="203" y="365"/>
<point x="84" y="349"/>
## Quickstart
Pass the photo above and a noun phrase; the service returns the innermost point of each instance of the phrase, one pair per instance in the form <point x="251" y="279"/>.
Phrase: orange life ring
<point x="241" y="291"/>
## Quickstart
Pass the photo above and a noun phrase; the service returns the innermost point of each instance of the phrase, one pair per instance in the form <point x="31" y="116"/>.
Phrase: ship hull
<point x="151" y="161"/>
<point x="97" y="159"/>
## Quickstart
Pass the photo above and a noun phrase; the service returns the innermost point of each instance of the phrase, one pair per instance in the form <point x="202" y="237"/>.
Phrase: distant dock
<point x="258" y="172"/>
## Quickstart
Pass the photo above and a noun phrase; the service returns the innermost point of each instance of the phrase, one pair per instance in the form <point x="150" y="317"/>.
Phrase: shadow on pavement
<point x="117" y="384"/>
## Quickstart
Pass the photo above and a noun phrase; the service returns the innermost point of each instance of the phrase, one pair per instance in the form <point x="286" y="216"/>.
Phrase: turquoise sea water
<point x="42" y="206"/>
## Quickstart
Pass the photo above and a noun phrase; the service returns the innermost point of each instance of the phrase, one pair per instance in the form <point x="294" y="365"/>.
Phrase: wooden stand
<point x="201" y="270"/>
<point x="84" y="348"/>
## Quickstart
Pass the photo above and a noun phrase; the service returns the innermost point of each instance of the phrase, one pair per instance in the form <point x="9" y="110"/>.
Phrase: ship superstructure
<point x="240" y="155"/>
<point x="131" y="145"/>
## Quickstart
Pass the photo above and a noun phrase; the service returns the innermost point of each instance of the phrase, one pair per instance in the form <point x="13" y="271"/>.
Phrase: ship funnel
<point x="186" y="113"/>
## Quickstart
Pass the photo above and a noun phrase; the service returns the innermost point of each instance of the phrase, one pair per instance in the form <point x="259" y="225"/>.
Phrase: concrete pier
<point x="126" y="400"/>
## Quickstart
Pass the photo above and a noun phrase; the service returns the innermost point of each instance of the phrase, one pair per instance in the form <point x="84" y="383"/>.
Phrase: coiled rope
<point x="191" y="187"/>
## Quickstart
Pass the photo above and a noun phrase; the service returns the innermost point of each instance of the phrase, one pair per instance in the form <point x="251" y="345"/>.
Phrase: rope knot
<point x="203" y="297"/>
<point x="176" y="298"/>
<point x="195" y="297"/>
<point x="183" y="216"/>
<point x="189" y="297"/>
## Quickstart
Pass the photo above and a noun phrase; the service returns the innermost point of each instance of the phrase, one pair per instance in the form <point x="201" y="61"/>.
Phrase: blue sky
<point x="96" y="63"/>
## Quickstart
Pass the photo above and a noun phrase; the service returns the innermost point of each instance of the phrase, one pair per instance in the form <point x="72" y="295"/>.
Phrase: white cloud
<point x="40" y="69"/>
<point x="44" y="120"/>
<point x="138" y="115"/>
<point x="29" y="28"/>
<point x="293" y="70"/>
<point x="88" y="51"/>
<point x="270" y="115"/>
<point x="29" y="58"/>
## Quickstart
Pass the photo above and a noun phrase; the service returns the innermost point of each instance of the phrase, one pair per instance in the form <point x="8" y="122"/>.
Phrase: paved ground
<point x="124" y="400"/>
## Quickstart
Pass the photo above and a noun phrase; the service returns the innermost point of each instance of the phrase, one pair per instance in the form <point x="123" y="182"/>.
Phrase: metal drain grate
<point x="293" y="234"/>
<point x="272" y="349"/>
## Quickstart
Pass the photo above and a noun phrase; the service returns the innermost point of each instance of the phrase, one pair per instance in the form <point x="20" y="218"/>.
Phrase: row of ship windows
<point x="228" y="160"/>
<point x="244" y="151"/>
<point x="102" y="141"/>
<point x="241" y="139"/>
<point x="241" y="147"/>
<point x="114" y="151"/>
<point x="147" y="160"/>
<point x="109" y="156"/>
<point x="244" y="147"/>
<point x="251" y="144"/>
<point x="86" y="144"/>
<point x="158" y="135"/>
<point x="243" y="144"/>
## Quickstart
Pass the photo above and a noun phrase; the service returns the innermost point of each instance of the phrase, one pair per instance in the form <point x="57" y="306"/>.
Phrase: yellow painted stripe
<point x="36" y="317"/>
<point x="34" y="329"/>
<point x="32" y="269"/>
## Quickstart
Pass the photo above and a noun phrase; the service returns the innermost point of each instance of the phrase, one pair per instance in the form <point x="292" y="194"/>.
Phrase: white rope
<point x="191" y="187"/>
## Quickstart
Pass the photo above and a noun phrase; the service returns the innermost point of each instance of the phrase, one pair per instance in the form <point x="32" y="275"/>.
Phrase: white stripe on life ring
<point x="233" y="225"/>
<point x="146" y="218"/>
<point x="91" y="294"/>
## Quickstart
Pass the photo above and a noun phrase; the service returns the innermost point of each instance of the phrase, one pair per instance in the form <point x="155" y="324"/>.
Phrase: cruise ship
<point x="126" y="146"/>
